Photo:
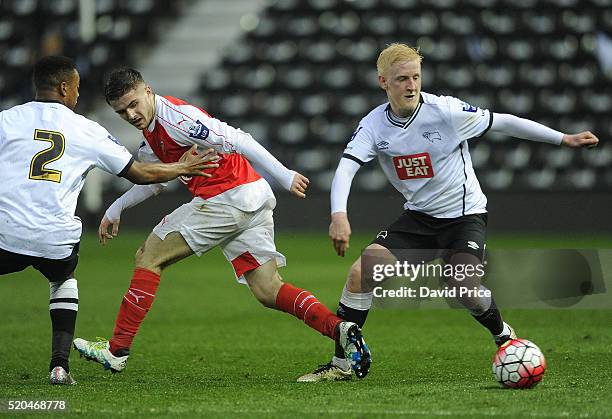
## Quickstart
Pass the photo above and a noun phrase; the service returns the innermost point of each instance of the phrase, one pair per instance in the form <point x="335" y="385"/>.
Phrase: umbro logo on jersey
<point x="473" y="245"/>
<point x="198" y="130"/>
<point x="432" y="136"/>
<point x="413" y="166"/>
<point x="383" y="145"/>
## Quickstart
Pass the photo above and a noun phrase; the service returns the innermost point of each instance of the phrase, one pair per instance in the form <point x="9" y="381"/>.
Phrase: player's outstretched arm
<point x="530" y="130"/>
<point x="191" y="164"/>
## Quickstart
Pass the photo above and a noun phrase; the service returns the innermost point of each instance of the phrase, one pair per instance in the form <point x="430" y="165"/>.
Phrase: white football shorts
<point x="245" y="238"/>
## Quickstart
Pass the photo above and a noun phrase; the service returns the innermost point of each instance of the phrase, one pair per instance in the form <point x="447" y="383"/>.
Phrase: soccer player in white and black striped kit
<point x="420" y="140"/>
<point x="46" y="151"/>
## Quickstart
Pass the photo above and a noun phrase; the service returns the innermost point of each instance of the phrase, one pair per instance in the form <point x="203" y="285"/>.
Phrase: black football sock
<point x="491" y="319"/>
<point x="63" y="307"/>
<point x="63" y="322"/>
<point x="350" y="315"/>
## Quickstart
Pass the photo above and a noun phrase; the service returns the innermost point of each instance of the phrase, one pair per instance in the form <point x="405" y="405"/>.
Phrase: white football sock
<point x="357" y="301"/>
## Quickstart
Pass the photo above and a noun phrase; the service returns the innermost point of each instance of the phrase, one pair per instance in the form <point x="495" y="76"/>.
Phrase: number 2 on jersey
<point x="38" y="171"/>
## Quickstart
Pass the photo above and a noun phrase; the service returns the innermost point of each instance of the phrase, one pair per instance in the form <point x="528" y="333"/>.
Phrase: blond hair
<point x="396" y="52"/>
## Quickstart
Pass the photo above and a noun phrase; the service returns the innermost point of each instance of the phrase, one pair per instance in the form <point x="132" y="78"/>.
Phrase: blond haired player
<point x="421" y="142"/>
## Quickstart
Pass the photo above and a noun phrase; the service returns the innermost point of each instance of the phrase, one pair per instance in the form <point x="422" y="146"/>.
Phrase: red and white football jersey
<point x="177" y="126"/>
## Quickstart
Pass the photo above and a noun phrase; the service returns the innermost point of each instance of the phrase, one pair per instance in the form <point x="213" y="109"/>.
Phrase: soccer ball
<point x="519" y="363"/>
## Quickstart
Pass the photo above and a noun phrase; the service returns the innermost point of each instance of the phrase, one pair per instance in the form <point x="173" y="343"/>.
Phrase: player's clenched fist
<point x="299" y="185"/>
<point x="340" y="232"/>
<point x="582" y="139"/>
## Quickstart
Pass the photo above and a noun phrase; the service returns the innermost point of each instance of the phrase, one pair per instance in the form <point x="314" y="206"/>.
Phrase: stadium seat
<point x="295" y="77"/>
<point x="517" y="157"/>
<point x="292" y="131"/>
<point x="235" y="106"/>
<point x="313" y="160"/>
<point x="581" y="178"/>
<point x="380" y="24"/>
<point x="539" y="179"/>
<point x="557" y="158"/>
<point x="480" y="152"/>
<point x="314" y="104"/>
<point x="275" y="105"/>
<point x="373" y="180"/>
<point x="338" y="77"/>
<point x="498" y="179"/>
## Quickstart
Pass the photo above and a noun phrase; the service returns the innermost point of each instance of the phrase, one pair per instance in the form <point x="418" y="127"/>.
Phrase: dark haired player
<point x="46" y="151"/>
<point x="232" y="210"/>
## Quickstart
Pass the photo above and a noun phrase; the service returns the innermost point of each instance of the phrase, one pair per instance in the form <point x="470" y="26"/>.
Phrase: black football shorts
<point x="55" y="270"/>
<point x="441" y="236"/>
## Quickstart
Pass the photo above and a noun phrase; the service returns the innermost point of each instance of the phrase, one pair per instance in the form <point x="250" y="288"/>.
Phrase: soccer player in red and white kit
<point x="232" y="210"/>
<point x="420" y="140"/>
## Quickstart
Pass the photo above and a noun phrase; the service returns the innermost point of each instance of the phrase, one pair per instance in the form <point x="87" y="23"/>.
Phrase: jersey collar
<point x="49" y="101"/>
<point x="403" y="122"/>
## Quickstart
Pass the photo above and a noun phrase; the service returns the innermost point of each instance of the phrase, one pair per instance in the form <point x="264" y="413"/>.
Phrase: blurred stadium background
<point x="300" y="74"/>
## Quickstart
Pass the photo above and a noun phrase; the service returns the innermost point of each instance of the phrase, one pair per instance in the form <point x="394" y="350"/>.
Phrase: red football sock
<point x="136" y="303"/>
<point x="303" y="305"/>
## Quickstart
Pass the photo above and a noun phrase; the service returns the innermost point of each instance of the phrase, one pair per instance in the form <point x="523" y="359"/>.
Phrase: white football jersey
<point x="46" y="151"/>
<point x="426" y="156"/>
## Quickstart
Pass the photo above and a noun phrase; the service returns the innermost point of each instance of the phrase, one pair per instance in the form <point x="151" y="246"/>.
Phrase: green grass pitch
<point x="208" y="349"/>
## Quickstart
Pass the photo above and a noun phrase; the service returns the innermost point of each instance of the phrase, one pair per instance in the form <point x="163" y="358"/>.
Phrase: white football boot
<point x="99" y="352"/>
<point x="355" y="349"/>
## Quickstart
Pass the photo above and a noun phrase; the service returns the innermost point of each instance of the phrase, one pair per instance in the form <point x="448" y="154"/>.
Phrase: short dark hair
<point x="51" y="70"/>
<point x="120" y="81"/>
